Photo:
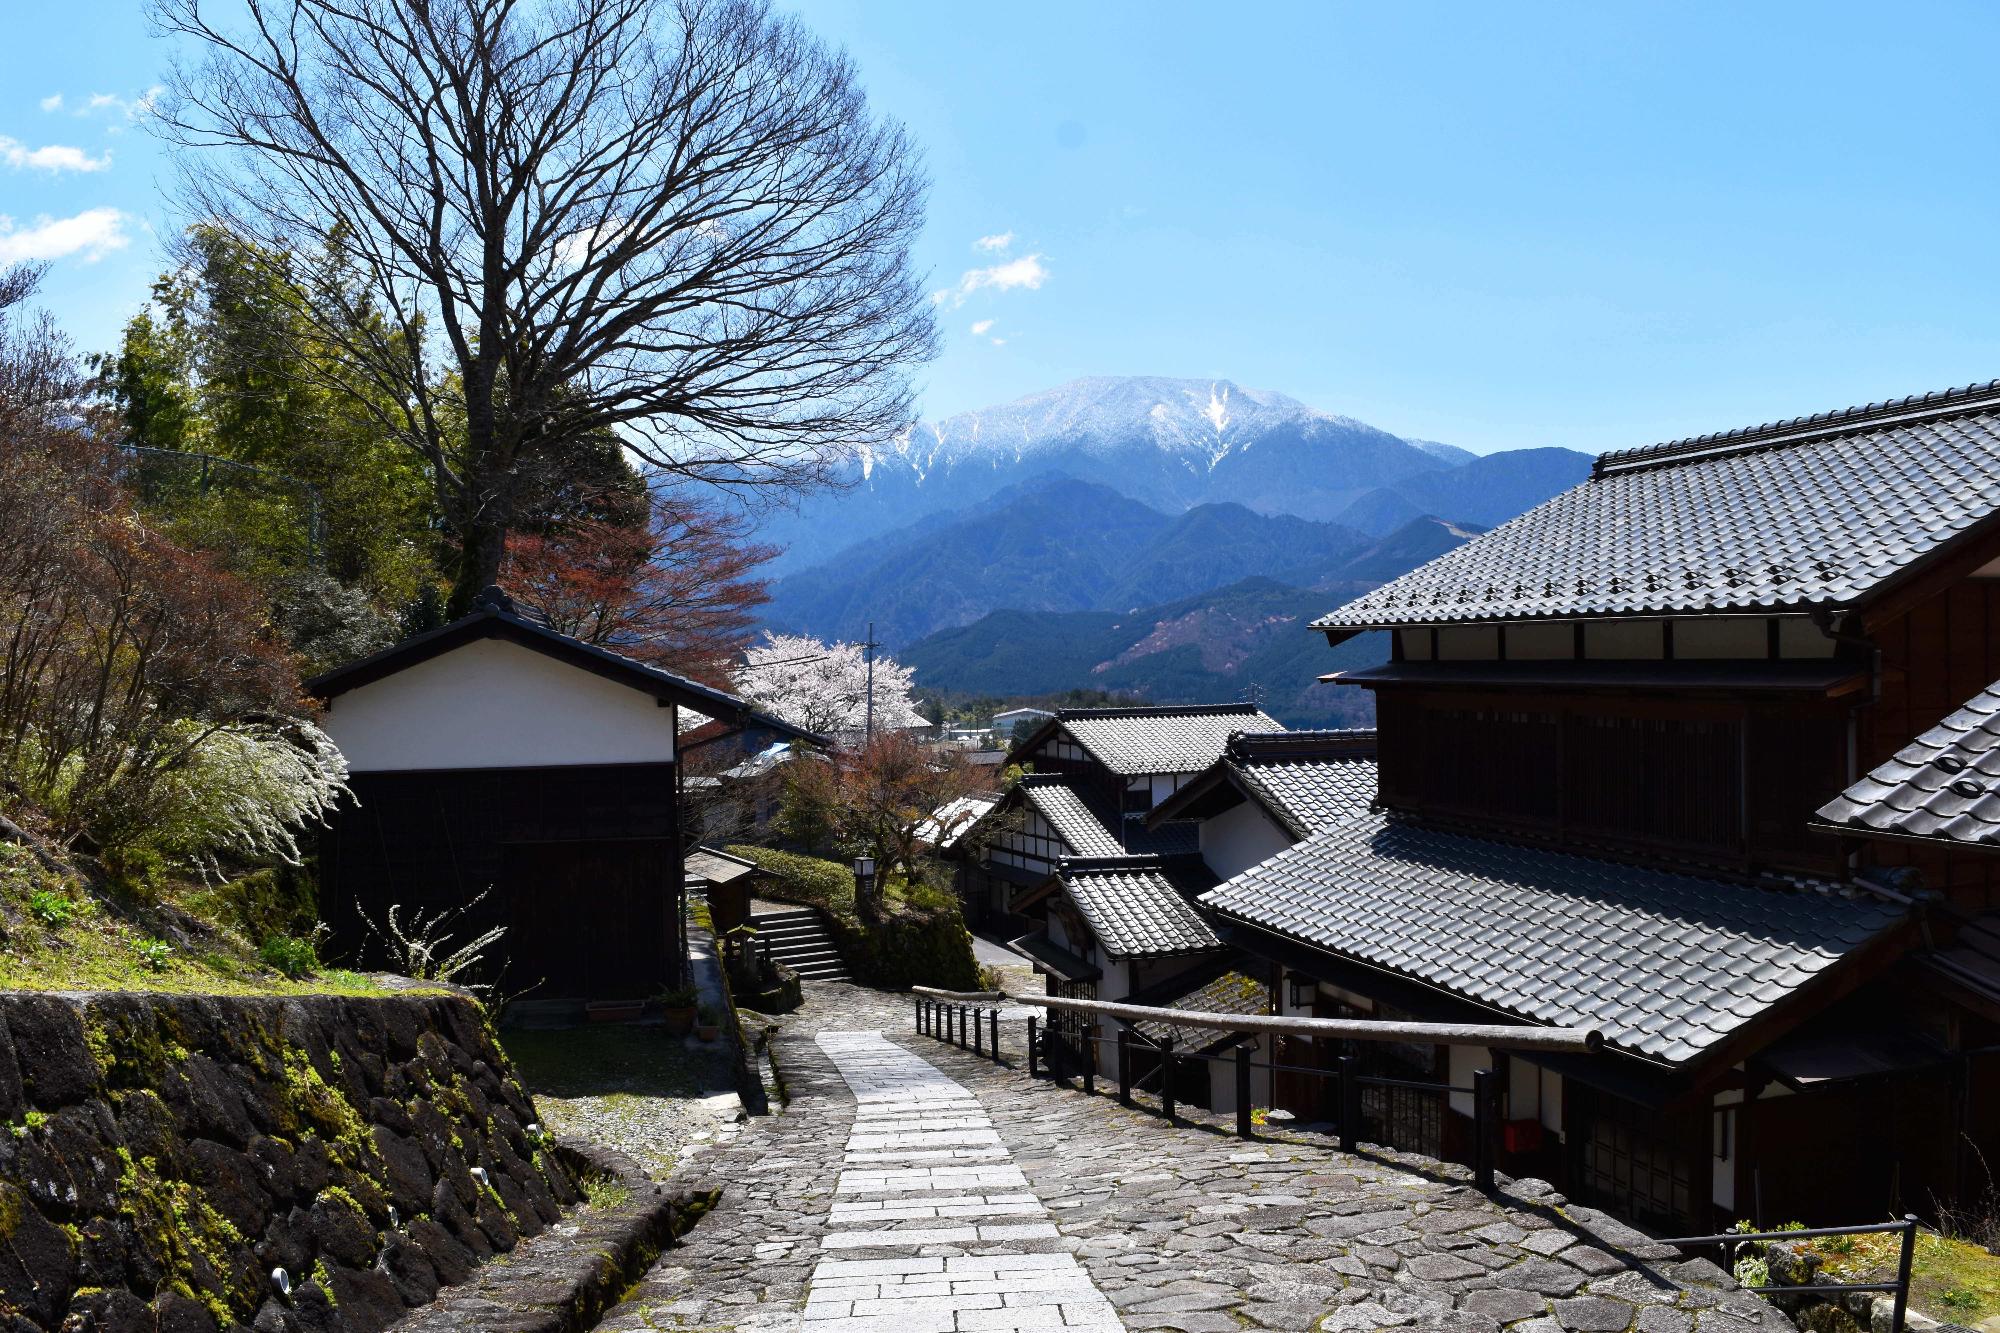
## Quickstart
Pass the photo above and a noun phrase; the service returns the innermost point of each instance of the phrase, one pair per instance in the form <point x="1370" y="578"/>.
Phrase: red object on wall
<point x="1521" y="1135"/>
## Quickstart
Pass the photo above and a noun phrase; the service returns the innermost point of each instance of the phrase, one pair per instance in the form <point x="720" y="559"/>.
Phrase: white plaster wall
<point x="1464" y="1063"/>
<point x="1239" y="838"/>
<point x="494" y="704"/>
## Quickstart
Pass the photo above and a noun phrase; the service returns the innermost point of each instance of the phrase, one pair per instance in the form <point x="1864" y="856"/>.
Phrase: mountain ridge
<point x="1169" y="443"/>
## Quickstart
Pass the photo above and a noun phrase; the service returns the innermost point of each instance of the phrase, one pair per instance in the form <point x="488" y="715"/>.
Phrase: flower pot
<point x="679" y="1021"/>
<point x="614" y="1011"/>
<point x="708" y="1031"/>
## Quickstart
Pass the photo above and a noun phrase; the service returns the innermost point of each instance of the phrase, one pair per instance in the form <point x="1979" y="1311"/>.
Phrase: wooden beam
<point x="1505" y="1036"/>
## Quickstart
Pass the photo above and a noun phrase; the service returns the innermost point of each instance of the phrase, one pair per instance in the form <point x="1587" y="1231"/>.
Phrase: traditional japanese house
<point x="1612" y="733"/>
<point x="1270" y="790"/>
<point x="1099" y="895"/>
<point x="528" y="777"/>
<point x="1098" y="772"/>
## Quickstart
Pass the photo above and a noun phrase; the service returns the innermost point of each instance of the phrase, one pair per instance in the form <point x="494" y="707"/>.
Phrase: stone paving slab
<point x="1179" y="1227"/>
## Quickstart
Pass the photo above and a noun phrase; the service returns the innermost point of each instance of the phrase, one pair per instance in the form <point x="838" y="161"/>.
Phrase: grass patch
<point x="1952" y="1280"/>
<point x="606" y="1193"/>
<point x="627" y="1086"/>
<point x="59" y="932"/>
<point x="609" y="1061"/>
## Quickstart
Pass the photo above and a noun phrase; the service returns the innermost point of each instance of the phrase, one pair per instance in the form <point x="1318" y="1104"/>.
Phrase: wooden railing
<point x="962" y="1017"/>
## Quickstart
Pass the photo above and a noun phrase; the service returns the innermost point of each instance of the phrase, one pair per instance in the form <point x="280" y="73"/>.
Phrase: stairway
<point x="798" y="939"/>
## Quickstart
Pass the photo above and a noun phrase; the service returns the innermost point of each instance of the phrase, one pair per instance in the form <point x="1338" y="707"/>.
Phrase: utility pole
<point x="868" y="655"/>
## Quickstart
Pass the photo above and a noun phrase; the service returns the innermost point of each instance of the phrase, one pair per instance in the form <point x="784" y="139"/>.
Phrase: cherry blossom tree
<point x="823" y="687"/>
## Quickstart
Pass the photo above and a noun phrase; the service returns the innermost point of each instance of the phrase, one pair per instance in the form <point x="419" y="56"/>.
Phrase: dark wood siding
<point x="1718" y="781"/>
<point x="1935" y="656"/>
<point x="604" y="838"/>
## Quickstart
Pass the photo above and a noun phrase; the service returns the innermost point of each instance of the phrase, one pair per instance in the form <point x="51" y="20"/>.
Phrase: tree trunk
<point x="482" y="514"/>
<point x="481" y="543"/>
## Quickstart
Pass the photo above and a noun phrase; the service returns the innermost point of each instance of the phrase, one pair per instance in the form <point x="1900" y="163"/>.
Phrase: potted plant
<point x="677" y="1010"/>
<point x="707" y="1023"/>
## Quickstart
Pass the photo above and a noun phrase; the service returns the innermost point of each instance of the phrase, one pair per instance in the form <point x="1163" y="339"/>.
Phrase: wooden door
<point x="590" y="920"/>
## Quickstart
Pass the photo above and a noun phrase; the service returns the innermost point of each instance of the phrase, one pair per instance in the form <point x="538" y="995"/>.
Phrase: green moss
<point x="323" y="1278"/>
<point x="185" y="1236"/>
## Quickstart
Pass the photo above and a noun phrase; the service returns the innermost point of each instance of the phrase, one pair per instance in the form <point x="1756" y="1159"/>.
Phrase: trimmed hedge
<point x="927" y="946"/>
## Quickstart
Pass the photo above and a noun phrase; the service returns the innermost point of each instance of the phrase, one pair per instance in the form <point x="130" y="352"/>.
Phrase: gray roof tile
<point x="1074" y="818"/>
<point x="1813" y="512"/>
<point x="1665" y="965"/>
<point x="1135" y="910"/>
<point x="1941" y="785"/>
<point x="1311" y="780"/>
<point x="1134" y="741"/>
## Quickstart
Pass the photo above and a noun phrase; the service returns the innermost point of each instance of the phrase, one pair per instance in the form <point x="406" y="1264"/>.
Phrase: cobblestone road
<point x="1085" y="1208"/>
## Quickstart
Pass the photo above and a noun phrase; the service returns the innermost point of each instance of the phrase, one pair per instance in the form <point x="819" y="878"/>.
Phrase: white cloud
<point x="53" y="102"/>
<point x="132" y="108"/>
<point x="93" y="233"/>
<point x="998" y="342"/>
<point x="52" y="157"/>
<point x="995" y="243"/>
<point x="979" y="329"/>
<point x="1027" y="271"/>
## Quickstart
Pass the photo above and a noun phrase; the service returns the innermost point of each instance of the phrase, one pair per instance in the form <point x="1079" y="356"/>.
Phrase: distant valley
<point x="1171" y="538"/>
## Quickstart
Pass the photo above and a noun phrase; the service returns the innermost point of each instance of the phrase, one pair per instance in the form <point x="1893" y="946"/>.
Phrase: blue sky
<point x="1495" y="225"/>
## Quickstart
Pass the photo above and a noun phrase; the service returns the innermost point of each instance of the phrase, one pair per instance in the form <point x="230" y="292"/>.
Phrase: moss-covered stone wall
<point x="161" y="1155"/>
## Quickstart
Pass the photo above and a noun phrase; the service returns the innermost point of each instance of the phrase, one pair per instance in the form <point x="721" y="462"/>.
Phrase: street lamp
<point x="864" y="875"/>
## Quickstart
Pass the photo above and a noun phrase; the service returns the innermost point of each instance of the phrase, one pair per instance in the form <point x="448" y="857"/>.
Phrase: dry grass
<point x="1951" y="1280"/>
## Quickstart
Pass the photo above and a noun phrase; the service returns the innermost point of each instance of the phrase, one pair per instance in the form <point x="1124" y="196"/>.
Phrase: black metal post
<point x="1125" y="1065"/>
<point x="1090" y="1061"/>
<point x="1167" y="1078"/>
<point x="961" y="1027"/>
<point x="1485" y="1128"/>
<point x="1243" y="1124"/>
<point x="1903" y="1263"/>
<point x="996" y="1035"/>
<point x="1350" y="1104"/>
<point x="978" y="1034"/>
<point x="1032" y="1025"/>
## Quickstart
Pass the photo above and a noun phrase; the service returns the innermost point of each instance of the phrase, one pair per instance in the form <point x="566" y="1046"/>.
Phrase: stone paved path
<point x="924" y="1168"/>
<point x="1178" y="1226"/>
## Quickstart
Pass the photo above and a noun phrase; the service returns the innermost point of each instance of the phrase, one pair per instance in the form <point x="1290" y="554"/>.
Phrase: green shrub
<point x="52" y="908"/>
<point x="156" y="954"/>
<point x="922" y="942"/>
<point x="296" y="957"/>
<point x="827" y="885"/>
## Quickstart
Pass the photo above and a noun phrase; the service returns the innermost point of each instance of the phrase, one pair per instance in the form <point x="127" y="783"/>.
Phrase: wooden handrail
<point x="937" y="994"/>
<point x="1519" y="1038"/>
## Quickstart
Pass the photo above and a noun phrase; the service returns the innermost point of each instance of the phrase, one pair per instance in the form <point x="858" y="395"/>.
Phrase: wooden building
<point x="1100" y="895"/>
<point x="495" y="756"/>
<point x="1612" y="736"/>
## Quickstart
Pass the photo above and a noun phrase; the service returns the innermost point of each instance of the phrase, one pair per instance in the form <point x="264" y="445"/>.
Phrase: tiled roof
<point x="1076" y="820"/>
<point x="1091" y="830"/>
<point x="1816" y="512"/>
<point x="1213" y="988"/>
<point x="1133" y="741"/>
<point x="1944" y="784"/>
<point x="1665" y="965"/>
<point x="955" y="818"/>
<point x="710" y="866"/>
<point x="1311" y="780"/>
<point x="1134" y="909"/>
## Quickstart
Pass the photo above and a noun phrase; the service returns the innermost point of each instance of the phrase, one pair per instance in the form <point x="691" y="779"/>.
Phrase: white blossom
<point x="823" y="687"/>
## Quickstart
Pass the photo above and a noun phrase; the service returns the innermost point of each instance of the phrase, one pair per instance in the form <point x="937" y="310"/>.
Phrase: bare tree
<point x="675" y="219"/>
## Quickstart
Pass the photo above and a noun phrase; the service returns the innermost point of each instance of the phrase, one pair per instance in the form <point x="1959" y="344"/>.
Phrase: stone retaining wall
<point x="161" y="1155"/>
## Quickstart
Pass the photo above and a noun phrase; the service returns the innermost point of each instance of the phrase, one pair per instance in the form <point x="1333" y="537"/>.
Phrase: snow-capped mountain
<point x="1168" y="443"/>
<point x="1199" y="421"/>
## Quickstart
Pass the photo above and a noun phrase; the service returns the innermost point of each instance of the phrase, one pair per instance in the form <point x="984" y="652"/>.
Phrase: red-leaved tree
<point x="678" y="592"/>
